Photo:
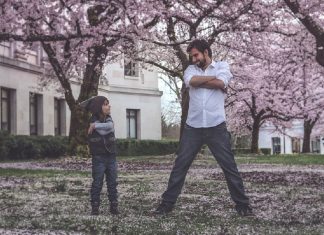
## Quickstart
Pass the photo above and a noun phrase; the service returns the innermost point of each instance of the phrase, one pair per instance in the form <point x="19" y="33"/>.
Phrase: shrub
<point x="127" y="147"/>
<point x="4" y="138"/>
<point x="27" y="147"/>
<point x="52" y="146"/>
<point x="83" y="151"/>
<point x="22" y="147"/>
<point x="242" y="151"/>
<point x="265" y="151"/>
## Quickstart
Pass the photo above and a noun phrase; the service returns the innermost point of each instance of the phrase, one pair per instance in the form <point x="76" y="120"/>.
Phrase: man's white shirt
<point x="206" y="106"/>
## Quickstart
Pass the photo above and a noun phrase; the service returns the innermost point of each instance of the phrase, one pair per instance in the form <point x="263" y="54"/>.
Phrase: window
<point x="276" y="147"/>
<point x="34" y="47"/>
<point x="130" y="68"/>
<point x="33" y="113"/>
<point x="132" y="123"/>
<point x="5" y="49"/>
<point x="295" y="145"/>
<point x="316" y="145"/>
<point x="59" y="117"/>
<point x="5" y="109"/>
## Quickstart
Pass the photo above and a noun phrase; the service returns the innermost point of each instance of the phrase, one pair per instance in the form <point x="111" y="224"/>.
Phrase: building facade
<point x="289" y="140"/>
<point x="28" y="110"/>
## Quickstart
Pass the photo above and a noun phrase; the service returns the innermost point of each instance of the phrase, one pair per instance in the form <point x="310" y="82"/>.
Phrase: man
<point x="205" y="124"/>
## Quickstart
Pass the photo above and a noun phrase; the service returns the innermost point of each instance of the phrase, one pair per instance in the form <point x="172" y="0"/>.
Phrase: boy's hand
<point x="91" y="128"/>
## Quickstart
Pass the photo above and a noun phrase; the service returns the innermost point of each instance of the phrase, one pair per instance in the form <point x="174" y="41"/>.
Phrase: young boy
<point x="102" y="144"/>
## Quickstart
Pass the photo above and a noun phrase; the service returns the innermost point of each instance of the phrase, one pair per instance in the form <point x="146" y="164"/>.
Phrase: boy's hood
<point x="93" y="104"/>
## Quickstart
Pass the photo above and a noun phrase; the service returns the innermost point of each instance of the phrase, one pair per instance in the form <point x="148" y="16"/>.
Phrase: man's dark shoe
<point x="95" y="208"/>
<point x="244" y="210"/>
<point x="164" y="208"/>
<point x="114" y="208"/>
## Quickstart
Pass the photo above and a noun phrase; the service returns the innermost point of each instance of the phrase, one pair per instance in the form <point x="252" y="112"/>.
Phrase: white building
<point x="26" y="110"/>
<point x="288" y="141"/>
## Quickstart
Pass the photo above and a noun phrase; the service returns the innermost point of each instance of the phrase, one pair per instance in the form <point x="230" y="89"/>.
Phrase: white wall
<point x="265" y="140"/>
<point x="24" y="82"/>
<point x="149" y="119"/>
<point x="322" y="144"/>
<point x="268" y="132"/>
<point x="115" y="75"/>
<point x="123" y="92"/>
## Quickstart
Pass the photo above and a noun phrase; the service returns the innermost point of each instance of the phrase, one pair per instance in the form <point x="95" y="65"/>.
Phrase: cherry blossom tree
<point x="79" y="37"/>
<point x="264" y="74"/>
<point x="308" y="95"/>
<point x="270" y="84"/>
<point x="257" y="37"/>
<point x="182" y="21"/>
<point x="310" y="14"/>
<point x="258" y="94"/>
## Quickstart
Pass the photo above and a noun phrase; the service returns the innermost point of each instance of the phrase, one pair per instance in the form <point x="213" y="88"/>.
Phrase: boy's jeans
<point x="219" y="142"/>
<point x="104" y="165"/>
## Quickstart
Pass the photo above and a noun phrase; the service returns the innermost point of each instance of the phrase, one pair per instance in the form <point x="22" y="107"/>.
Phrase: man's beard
<point x="201" y="64"/>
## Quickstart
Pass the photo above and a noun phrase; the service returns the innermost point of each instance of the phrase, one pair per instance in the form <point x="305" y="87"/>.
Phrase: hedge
<point x="127" y="147"/>
<point x="241" y="151"/>
<point x="33" y="147"/>
<point x="265" y="151"/>
<point x="28" y="147"/>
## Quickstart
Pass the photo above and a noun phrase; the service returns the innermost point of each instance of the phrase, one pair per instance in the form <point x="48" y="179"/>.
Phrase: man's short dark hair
<point x="201" y="45"/>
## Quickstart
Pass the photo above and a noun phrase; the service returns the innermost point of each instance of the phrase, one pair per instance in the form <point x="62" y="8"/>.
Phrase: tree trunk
<point x="79" y="118"/>
<point x="78" y="128"/>
<point x="89" y="87"/>
<point x="320" y="51"/>
<point x="255" y="136"/>
<point x="184" y="106"/>
<point x="307" y="136"/>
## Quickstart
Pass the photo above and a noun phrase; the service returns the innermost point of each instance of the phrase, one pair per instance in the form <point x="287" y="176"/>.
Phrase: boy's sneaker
<point x="114" y="208"/>
<point x="164" y="208"/>
<point x="244" y="210"/>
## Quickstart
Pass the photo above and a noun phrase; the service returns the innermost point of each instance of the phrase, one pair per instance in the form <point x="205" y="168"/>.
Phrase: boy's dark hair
<point x="201" y="45"/>
<point x="94" y="104"/>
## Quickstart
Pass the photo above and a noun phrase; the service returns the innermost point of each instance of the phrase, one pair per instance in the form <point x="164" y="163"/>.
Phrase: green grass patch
<point x="5" y="172"/>
<point x="298" y="159"/>
<point x="288" y="159"/>
<point x="58" y="200"/>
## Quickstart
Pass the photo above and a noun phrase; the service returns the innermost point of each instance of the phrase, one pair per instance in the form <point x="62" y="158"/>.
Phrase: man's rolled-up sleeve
<point x="223" y="73"/>
<point x="188" y="74"/>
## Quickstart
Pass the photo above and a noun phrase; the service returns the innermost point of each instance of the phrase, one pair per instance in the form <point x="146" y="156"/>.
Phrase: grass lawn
<point x="291" y="159"/>
<point x="286" y="193"/>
